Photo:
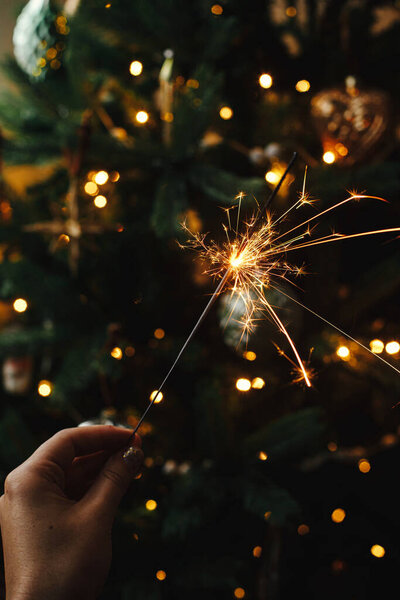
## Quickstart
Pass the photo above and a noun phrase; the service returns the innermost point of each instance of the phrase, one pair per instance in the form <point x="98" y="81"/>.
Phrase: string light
<point x="343" y="352"/>
<point x="161" y="575"/>
<point x="262" y="455"/>
<point x="142" y="116"/>
<point x="303" y="85"/>
<point x="338" y="515"/>
<point x="239" y="592"/>
<point x="329" y="157"/>
<point x="303" y="529"/>
<point x="151" y="504"/>
<point x="267" y="515"/>
<point x="265" y="80"/>
<point x="129" y="351"/>
<point x="378" y="551"/>
<point x="159" y="395"/>
<point x="217" y="9"/>
<point x="364" y="465"/>
<point x="159" y="333"/>
<point x="91" y="188"/>
<point x="258" y="383"/>
<point x="116" y="353"/>
<point x="135" y="68"/>
<point x="291" y="11"/>
<point x="45" y="388"/>
<point x="243" y="384"/>
<point x="249" y="355"/>
<point x="226" y="113"/>
<point x="272" y="177"/>
<point x="100" y="201"/>
<point x="257" y="551"/>
<point x="376" y="346"/>
<point x="332" y="446"/>
<point x="341" y="149"/>
<point x="101" y="177"/>
<point x="114" y="176"/>
<point x="20" y="305"/>
<point x="392" y="347"/>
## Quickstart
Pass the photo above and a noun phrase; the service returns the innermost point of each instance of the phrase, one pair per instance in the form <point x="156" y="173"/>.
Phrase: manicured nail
<point x="133" y="458"/>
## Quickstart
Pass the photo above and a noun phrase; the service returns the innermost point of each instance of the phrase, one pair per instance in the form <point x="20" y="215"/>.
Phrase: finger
<point x="113" y="481"/>
<point x="65" y="445"/>
<point x="83" y="471"/>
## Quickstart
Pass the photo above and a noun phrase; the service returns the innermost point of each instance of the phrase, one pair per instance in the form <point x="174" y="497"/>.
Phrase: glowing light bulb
<point x="116" y="353"/>
<point x="159" y="395"/>
<point x="376" y="346"/>
<point x="20" y="305"/>
<point x="265" y="80"/>
<point x="267" y="515"/>
<point x="100" y="201"/>
<point x="239" y="592"/>
<point x="91" y="188"/>
<point x="226" y="113"/>
<point x="338" y="515"/>
<point x="378" y="551"/>
<point x="130" y="351"/>
<point x="328" y="157"/>
<point x="250" y="355"/>
<point x="291" y="11"/>
<point x="303" y="85"/>
<point x="151" y="504"/>
<point x="257" y="551"/>
<point x="243" y="385"/>
<point x="142" y="116"/>
<point x="262" y="455"/>
<point x="303" y="529"/>
<point x="332" y="446"/>
<point x="364" y="465"/>
<point x="135" y="68"/>
<point x="258" y="383"/>
<point x="101" y="177"/>
<point x="161" y="575"/>
<point x="272" y="177"/>
<point x="44" y="388"/>
<point x="343" y="352"/>
<point x="159" y="333"/>
<point x="392" y="347"/>
<point x="217" y="9"/>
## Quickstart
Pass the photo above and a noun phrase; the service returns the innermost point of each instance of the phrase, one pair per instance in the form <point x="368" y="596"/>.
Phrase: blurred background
<point x="119" y="121"/>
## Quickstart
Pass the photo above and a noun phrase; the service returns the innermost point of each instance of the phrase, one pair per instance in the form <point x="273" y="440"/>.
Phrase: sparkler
<point x="253" y="260"/>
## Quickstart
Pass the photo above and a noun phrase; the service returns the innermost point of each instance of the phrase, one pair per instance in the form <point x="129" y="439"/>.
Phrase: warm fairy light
<point x="64" y="238"/>
<point x="239" y="592"/>
<point x="44" y="388"/>
<point x="267" y="515"/>
<point x="100" y="201"/>
<point x="158" y="395"/>
<point x="114" y="176"/>
<point x="341" y="149"/>
<point x="332" y="446"/>
<point x="161" y="575"/>
<point x="364" y="465"/>
<point x="243" y="385"/>
<point x="258" y="383"/>
<point x="142" y="116"/>
<point x="291" y="11"/>
<point x="378" y="551"/>
<point x="20" y="305"/>
<point x="376" y="346"/>
<point x="249" y="355"/>
<point x="226" y="113"/>
<point x="262" y="455"/>
<point x="303" y="529"/>
<point x="130" y="351"/>
<point x="338" y="515"/>
<point x="91" y="188"/>
<point x="159" y="333"/>
<point x="392" y="347"/>
<point x="265" y="80"/>
<point x="135" y="68"/>
<point x="217" y="9"/>
<point x="343" y="352"/>
<point x="101" y="177"/>
<point x="329" y="157"/>
<point x="116" y="353"/>
<point x="151" y="504"/>
<point x="272" y="177"/>
<point x="303" y="85"/>
<point x="257" y="551"/>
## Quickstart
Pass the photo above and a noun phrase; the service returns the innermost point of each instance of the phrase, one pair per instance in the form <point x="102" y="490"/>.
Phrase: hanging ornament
<point x="108" y="416"/>
<point x="352" y="122"/>
<point x="165" y="97"/>
<point x="17" y="374"/>
<point x="39" y="38"/>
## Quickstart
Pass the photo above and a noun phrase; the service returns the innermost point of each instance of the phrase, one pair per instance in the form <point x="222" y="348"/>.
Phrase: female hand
<point x="57" y="511"/>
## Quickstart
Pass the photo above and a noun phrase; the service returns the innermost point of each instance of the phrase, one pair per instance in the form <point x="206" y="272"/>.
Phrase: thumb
<point x="113" y="481"/>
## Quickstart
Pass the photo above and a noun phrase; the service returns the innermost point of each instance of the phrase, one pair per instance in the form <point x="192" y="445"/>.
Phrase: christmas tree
<point x="124" y="120"/>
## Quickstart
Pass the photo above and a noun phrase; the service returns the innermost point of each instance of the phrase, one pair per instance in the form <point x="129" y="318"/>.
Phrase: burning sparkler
<point x="253" y="260"/>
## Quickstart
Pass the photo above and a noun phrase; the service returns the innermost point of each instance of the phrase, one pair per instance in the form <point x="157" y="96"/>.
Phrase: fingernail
<point x="133" y="458"/>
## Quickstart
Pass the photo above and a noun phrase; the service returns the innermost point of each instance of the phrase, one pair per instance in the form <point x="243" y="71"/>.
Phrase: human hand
<point x="57" y="511"/>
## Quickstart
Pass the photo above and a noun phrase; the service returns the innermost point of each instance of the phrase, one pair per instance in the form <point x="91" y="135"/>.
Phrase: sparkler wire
<point x="211" y="301"/>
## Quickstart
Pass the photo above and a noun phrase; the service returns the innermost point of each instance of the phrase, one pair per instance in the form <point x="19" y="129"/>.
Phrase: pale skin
<point x="57" y="512"/>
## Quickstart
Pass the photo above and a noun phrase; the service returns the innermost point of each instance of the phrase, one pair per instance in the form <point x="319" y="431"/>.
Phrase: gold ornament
<point x="351" y="122"/>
